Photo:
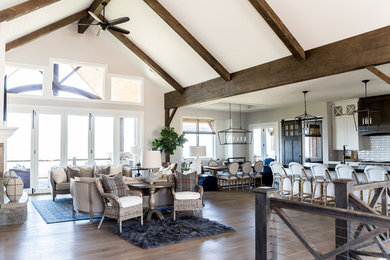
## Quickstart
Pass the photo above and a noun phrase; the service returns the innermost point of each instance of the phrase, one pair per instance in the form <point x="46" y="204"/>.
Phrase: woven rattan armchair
<point x="123" y="208"/>
<point x="188" y="200"/>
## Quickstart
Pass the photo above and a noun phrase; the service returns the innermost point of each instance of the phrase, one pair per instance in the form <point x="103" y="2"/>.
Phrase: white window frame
<point x="65" y="112"/>
<point x="81" y="63"/>
<point x="214" y="137"/>
<point x="32" y="67"/>
<point x="274" y="125"/>
<point x="141" y="79"/>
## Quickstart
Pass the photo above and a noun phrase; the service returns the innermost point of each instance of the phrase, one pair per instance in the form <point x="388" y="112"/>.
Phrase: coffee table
<point x="152" y="199"/>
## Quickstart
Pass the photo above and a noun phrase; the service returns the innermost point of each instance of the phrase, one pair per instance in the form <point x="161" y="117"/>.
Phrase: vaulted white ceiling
<point x="232" y="31"/>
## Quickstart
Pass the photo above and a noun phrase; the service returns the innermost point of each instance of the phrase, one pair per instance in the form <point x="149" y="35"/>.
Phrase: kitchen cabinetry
<point x="343" y="128"/>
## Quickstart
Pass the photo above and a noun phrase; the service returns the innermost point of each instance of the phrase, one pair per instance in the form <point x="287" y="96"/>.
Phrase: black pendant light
<point x="234" y="135"/>
<point x="311" y="128"/>
<point x="365" y="113"/>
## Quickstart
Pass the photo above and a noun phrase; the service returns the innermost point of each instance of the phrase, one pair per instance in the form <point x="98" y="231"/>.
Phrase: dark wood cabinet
<point x="374" y="115"/>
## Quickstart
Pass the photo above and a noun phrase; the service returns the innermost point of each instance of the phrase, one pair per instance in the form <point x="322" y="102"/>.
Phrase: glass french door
<point x="78" y="139"/>
<point x="264" y="142"/>
<point x="103" y="140"/>
<point x="19" y="147"/>
<point x="47" y="128"/>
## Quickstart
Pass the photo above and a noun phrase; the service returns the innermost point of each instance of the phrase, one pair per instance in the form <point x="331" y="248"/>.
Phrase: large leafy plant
<point x="168" y="142"/>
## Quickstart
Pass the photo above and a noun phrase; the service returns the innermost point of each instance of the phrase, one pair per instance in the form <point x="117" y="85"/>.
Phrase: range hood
<point x="377" y="120"/>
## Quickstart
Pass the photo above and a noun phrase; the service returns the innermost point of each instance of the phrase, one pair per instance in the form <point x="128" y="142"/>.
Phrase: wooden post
<point x="265" y="224"/>
<point x="343" y="227"/>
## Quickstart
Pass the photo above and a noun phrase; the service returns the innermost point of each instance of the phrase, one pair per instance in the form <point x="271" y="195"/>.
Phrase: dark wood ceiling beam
<point x="279" y="28"/>
<point x="187" y="37"/>
<point x="379" y="73"/>
<point x="343" y="56"/>
<point x="151" y="63"/>
<point x="96" y="8"/>
<point x="23" y="8"/>
<point x="45" y="30"/>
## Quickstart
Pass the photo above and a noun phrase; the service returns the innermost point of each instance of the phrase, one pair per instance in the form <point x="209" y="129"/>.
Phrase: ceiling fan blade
<point x="99" y="31"/>
<point x="119" y="20"/>
<point x="118" y="29"/>
<point x="94" y="16"/>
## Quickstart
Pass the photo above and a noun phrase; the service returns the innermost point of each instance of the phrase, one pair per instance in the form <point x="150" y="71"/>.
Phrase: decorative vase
<point x="8" y="176"/>
<point x="14" y="189"/>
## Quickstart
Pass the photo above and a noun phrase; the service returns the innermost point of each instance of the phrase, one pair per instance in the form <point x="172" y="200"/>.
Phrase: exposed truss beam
<point x="96" y="8"/>
<point x="23" y="8"/>
<point x="279" y="28"/>
<point x="346" y="55"/>
<point x="45" y="30"/>
<point x="169" y="116"/>
<point x="151" y="63"/>
<point x="187" y="36"/>
<point x="379" y="73"/>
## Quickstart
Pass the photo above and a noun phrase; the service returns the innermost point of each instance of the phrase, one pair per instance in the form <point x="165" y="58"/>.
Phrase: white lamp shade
<point x="151" y="159"/>
<point x="197" y="151"/>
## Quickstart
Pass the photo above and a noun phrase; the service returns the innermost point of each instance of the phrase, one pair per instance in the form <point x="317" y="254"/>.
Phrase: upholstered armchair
<point x="187" y="195"/>
<point x="121" y="208"/>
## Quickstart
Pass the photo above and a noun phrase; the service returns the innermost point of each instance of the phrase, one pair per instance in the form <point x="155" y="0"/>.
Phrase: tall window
<point x="199" y="132"/>
<point x="126" y="90"/>
<point x="78" y="81"/>
<point x="24" y="81"/>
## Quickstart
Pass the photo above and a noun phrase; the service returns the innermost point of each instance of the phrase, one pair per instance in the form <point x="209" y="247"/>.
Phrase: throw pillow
<point x="186" y="182"/>
<point x="73" y="172"/>
<point x="98" y="171"/>
<point x="59" y="175"/>
<point x="116" y="169"/>
<point x="115" y="185"/>
<point x="86" y="171"/>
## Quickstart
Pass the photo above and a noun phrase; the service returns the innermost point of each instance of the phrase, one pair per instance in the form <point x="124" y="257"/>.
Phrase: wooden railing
<point x="347" y="246"/>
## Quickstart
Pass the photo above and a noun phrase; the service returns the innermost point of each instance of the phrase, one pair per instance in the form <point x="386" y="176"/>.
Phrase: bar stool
<point x="285" y="181"/>
<point x="344" y="171"/>
<point x="305" y="183"/>
<point x="373" y="174"/>
<point x="323" y="186"/>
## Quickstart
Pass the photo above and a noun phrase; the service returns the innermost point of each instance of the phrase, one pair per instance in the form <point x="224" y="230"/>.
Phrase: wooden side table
<point x="152" y="198"/>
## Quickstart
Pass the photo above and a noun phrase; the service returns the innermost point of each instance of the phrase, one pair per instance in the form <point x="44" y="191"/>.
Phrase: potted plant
<point x="168" y="142"/>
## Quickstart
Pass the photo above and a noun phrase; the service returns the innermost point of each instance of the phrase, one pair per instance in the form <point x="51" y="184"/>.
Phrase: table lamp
<point x="136" y="150"/>
<point x="198" y="151"/>
<point x="151" y="160"/>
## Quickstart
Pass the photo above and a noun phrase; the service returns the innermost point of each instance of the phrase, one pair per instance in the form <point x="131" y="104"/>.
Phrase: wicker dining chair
<point x="230" y="176"/>
<point x="257" y="173"/>
<point x="285" y="181"/>
<point x="244" y="174"/>
<point x="121" y="208"/>
<point x="303" y="180"/>
<point x="323" y="186"/>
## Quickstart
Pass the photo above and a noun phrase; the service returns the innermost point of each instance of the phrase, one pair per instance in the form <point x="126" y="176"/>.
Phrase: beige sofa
<point x="63" y="187"/>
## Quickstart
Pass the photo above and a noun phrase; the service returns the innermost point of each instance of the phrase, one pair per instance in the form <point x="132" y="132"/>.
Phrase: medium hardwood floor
<point x="80" y="240"/>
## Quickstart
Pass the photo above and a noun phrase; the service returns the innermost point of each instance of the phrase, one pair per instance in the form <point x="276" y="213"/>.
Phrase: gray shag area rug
<point x="166" y="232"/>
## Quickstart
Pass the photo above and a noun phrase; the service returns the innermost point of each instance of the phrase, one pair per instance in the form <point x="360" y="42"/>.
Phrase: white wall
<point x="67" y="44"/>
<point x="276" y="115"/>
